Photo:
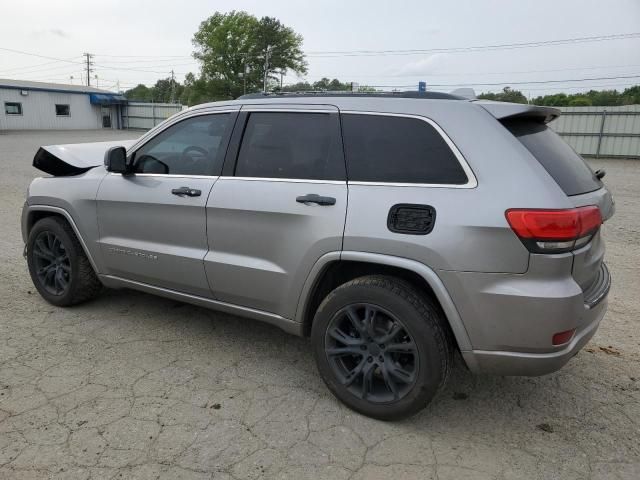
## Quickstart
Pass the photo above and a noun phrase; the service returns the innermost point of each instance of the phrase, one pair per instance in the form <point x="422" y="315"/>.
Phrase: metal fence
<point x="144" y="116"/>
<point x="601" y="131"/>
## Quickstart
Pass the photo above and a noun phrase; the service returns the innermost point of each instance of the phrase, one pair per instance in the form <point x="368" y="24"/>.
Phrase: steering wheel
<point x="186" y="154"/>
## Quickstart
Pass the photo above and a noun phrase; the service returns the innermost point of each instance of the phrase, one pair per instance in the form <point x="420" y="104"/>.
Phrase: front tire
<point x="381" y="347"/>
<point x="59" y="267"/>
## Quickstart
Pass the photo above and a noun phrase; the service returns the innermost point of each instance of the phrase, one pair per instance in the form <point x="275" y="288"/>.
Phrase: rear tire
<point x="58" y="265"/>
<point x="381" y="347"/>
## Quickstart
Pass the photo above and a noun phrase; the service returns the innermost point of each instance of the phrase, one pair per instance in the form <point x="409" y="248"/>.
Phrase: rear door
<point x="153" y="223"/>
<point x="278" y="207"/>
<point x="576" y="179"/>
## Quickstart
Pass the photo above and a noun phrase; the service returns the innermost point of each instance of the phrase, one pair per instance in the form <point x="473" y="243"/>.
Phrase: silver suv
<point x="394" y="230"/>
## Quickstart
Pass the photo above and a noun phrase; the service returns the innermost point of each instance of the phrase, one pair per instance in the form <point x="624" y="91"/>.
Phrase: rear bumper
<point x="534" y="364"/>
<point x="511" y="319"/>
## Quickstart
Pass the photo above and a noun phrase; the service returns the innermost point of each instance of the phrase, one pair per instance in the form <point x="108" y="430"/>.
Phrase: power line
<point x="30" y="67"/>
<point x="38" y="55"/>
<point x="581" y="87"/>
<point x="534" y="82"/>
<point x="338" y="53"/>
<point x="152" y="60"/>
<point x="143" y="56"/>
<point x="466" y="74"/>
<point x="503" y="46"/>
<point x="166" y="72"/>
<point x="54" y="69"/>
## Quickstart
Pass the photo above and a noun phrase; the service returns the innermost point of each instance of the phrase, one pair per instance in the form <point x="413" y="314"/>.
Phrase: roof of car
<point x="324" y="94"/>
<point x="354" y="100"/>
<point x="417" y="103"/>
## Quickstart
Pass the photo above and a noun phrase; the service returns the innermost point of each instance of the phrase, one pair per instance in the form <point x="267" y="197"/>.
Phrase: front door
<point x="279" y="207"/>
<point x="153" y="223"/>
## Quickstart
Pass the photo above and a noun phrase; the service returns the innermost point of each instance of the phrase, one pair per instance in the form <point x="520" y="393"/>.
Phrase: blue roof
<point x="106" y="98"/>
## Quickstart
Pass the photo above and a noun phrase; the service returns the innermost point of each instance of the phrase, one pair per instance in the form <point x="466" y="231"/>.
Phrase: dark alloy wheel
<point x="52" y="264"/>
<point x="58" y="265"/>
<point x="381" y="346"/>
<point x="370" y="350"/>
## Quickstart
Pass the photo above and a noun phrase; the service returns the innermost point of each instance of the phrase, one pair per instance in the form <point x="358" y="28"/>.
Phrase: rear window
<point x="384" y="148"/>
<point x="566" y="167"/>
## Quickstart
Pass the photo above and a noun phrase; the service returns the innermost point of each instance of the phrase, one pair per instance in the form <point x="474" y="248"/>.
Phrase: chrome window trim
<point x="169" y="175"/>
<point x="179" y="117"/>
<point x="271" y="109"/>
<point x="283" y="180"/>
<point x="472" y="182"/>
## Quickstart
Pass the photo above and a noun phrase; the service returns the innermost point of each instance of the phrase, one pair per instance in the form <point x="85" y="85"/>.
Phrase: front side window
<point x="13" y="108"/>
<point x="63" y="110"/>
<point x="291" y="145"/>
<point x="190" y="147"/>
<point x="385" y="148"/>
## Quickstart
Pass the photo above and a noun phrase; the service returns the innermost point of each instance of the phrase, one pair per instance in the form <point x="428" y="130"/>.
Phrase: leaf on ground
<point x="610" y="351"/>
<point x="545" y="427"/>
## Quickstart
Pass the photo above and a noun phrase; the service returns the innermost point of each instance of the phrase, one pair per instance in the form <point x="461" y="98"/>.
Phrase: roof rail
<point x="343" y="93"/>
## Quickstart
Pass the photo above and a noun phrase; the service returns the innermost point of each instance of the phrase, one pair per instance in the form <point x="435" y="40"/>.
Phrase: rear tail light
<point x="554" y="231"/>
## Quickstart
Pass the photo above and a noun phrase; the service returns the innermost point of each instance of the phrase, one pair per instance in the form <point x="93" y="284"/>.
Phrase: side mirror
<point x="115" y="160"/>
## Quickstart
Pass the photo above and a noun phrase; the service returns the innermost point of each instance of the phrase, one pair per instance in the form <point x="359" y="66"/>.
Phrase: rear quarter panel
<point x="471" y="232"/>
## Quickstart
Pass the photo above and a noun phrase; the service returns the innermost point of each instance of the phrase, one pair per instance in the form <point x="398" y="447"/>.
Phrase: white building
<point x="50" y="106"/>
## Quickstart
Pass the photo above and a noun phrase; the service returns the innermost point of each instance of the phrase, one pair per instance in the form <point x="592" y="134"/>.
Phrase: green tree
<point x="631" y="96"/>
<point x="233" y="48"/>
<point x="166" y="89"/>
<point x="507" y="95"/>
<point x="604" y="97"/>
<point x="140" y="93"/>
<point x="580" y="101"/>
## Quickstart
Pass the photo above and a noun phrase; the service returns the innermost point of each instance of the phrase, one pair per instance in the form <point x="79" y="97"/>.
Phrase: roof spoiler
<point x="504" y="110"/>
<point x="468" y="93"/>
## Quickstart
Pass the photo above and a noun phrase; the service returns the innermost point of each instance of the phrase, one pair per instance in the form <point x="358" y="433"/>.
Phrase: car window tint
<point x="291" y="145"/>
<point x="384" y="148"/>
<point x="190" y="147"/>
<point x="567" y="168"/>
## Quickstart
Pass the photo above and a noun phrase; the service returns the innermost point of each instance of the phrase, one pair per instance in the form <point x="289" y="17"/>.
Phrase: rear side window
<point x="566" y="167"/>
<point x="384" y="148"/>
<point x="291" y="145"/>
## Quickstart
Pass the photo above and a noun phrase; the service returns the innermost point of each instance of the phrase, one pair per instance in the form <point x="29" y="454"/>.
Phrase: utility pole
<point x="281" y="77"/>
<point x="173" y="87"/>
<point x="89" y="69"/>
<point x="266" y="68"/>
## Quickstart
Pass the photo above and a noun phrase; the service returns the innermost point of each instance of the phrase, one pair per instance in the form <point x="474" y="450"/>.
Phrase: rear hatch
<point x="576" y="179"/>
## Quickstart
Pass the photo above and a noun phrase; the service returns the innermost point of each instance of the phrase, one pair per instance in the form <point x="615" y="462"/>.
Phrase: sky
<point x="140" y="41"/>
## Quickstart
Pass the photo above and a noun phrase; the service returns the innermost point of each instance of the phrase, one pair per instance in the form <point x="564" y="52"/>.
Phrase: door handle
<point x="317" y="199"/>
<point x="189" y="192"/>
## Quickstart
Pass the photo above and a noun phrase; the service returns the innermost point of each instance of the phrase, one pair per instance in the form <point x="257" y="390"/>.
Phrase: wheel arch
<point x="336" y="268"/>
<point x="34" y="213"/>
